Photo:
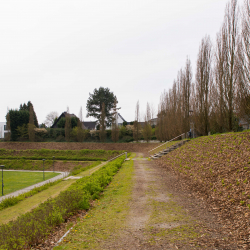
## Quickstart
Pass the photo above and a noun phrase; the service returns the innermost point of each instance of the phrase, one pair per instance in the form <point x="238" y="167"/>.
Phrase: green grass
<point x="15" y="180"/>
<point x="26" y="202"/>
<point x="108" y="215"/>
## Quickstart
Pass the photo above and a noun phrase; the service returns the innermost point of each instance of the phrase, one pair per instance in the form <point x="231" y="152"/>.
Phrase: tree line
<point x="218" y="95"/>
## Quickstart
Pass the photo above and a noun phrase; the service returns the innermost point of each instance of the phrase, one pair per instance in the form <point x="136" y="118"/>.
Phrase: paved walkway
<point x="27" y="189"/>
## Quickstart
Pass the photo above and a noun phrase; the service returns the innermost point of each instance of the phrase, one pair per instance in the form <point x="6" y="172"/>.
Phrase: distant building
<point x="89" y="125"/>
<point x="244" y="123"/>
<point x="86" y="125"/>
<point x="120" y="120"/>
<point x="153" y="122"/>
<point x="3" y="129"/>
<point x="63" y="115"/>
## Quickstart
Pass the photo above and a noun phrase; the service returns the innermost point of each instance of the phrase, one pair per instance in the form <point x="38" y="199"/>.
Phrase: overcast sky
<point x="54" y="53"/>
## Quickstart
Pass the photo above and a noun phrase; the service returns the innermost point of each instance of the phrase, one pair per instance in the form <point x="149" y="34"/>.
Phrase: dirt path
<point x="162" y="217"/>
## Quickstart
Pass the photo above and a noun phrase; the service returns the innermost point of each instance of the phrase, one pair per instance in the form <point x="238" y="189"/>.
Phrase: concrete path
<point x="27" y="189"/>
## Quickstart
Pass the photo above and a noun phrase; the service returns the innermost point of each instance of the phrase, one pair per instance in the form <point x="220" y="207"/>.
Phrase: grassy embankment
<point x="217" y="168"/>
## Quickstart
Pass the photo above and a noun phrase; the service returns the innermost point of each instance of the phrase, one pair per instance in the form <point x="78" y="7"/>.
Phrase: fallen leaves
<point x="217" y="169"/>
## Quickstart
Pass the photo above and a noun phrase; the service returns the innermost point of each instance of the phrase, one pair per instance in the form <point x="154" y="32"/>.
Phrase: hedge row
<point x="30" y="228"/>
<point x="59" y="154"/>
<point x="59" y="158"/>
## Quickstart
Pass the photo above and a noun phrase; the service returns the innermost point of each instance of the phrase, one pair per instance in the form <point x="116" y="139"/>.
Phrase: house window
<point x="5" y="127"/>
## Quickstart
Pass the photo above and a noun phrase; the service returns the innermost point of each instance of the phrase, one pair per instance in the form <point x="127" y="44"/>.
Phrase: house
<point x="3" y="129"/>
<point x="63" y="115"/>
<point x="91" y="125"/>
<point x="120" y="120"/>
<point x="244" y="123"/>
<point x="153" y="122"/>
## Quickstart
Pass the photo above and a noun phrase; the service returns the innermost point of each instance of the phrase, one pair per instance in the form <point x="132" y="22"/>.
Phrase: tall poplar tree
<point x="67" y="126"/>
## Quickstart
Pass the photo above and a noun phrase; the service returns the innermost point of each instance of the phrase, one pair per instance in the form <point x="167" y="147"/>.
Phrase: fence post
<point x="2" y="166"/>
<point x="43" y="168"/>
<point x="53" y="164"/>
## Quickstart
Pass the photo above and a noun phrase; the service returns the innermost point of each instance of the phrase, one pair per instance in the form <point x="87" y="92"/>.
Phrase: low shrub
<point x="70" y="155"/>
<point x="79" y="168"/>
<point x="11" y="201"/>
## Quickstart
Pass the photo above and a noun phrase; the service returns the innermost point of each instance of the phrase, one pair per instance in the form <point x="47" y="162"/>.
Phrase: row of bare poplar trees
<point x="218" y="96"/>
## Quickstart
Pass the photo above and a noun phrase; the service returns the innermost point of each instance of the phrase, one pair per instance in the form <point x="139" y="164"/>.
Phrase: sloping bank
<point x="32" y="227"/>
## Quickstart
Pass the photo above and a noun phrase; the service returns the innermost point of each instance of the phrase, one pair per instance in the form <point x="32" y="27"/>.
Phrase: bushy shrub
<point x="60" y="138"/>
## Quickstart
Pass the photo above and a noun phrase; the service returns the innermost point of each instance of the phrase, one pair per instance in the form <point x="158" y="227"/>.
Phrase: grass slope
<point x="217" y="168"/>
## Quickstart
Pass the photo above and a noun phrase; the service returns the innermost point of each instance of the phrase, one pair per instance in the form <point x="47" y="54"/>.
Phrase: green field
<point x="15" y="180"/>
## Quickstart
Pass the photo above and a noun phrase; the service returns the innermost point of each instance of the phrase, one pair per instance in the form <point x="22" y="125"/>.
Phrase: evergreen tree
<point x="31" y="125"/>
<point x="95" y="101"/>
<point x="7" y="136"/>
<point x="27" y="108"/>
<point x="102" y="134"/>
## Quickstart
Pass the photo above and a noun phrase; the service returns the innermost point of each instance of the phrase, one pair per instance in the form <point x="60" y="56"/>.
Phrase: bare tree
<point x="115" y="128"/>
<point x="136" y="131"/>
<point x="186" y="85"/>
<point x="102" y="134"/>
<point x="203" y="85"/>
<point x="67" y="125"/>
<point x="147" y="129"/>
<point x="80" y="129"/>
<point x="152" y="110"/>
<point x="243" y="83"/>
<point x="225" y="67"/>
<point x="50" y="118"/>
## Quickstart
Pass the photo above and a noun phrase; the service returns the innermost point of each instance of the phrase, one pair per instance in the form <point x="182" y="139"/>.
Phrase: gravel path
<point x="163" y="217"/>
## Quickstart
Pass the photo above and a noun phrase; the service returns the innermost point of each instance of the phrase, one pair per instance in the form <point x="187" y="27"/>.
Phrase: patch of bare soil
<point x="163" y="216"/>
<point x="130" y="147"/>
